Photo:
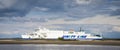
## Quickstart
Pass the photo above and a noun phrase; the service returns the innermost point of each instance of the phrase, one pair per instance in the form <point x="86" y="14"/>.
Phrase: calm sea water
<point x="56" y="47"/>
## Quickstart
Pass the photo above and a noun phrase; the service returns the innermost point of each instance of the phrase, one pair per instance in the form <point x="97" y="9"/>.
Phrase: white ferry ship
<point x="43" y="33"/>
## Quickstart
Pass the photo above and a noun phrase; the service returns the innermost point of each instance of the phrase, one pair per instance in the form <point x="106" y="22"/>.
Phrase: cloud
<point x="116" y="28"/>
<point x="116" y="12"/>
<point x="95" y="7"/>
<point x="102" y="19"/>
<point x="83" y="1"/>
<point x="72" y="8"/>
<point x="53" y="5"/>
<point x="10" y="8"/>
<point x="6" y="3"/>
<point x="41" y="9"/>
<point x="19" y="8"/>
<point x="98" y="19"/>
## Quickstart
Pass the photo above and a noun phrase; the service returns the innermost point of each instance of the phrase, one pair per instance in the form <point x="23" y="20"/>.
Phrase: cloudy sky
<point x="94" y="16"/>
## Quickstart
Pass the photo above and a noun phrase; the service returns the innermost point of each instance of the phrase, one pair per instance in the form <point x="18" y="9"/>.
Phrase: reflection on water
<point x="55" y="47"/>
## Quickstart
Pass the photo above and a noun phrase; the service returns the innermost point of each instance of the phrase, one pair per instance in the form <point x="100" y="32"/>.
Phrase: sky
<point x="94" y="16"/>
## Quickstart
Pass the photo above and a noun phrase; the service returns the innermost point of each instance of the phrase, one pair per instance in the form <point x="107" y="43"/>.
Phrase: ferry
<point x="43" y="33"/>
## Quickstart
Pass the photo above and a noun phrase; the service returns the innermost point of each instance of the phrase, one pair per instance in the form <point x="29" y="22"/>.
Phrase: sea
<point x="56" y="47"/>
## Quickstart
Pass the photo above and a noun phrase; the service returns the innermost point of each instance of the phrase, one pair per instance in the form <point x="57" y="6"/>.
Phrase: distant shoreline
<point x="83" y="42"/>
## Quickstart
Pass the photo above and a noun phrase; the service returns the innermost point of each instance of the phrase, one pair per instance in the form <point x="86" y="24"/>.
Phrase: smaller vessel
<point x="43" y="33"/>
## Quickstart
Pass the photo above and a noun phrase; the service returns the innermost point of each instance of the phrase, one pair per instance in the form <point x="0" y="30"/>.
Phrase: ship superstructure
<point x="43" y="33"/>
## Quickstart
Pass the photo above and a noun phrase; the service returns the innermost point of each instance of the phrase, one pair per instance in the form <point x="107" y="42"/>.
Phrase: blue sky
<point x="94" y="16"/>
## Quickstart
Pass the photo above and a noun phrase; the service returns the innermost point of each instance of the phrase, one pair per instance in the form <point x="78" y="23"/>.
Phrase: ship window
<point x="31" y="34"/>
<point x="81" y="36"/>
<point x="66" y="36"/>
<point x="35" y="34"/>
<point x="71" y="32"/>
<point x="98" y="35"/>
<point x="39" y="35"/>
<point x="73" y="36"/>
